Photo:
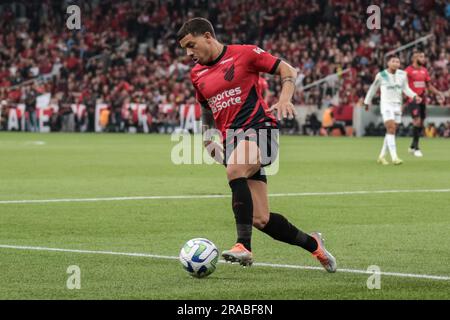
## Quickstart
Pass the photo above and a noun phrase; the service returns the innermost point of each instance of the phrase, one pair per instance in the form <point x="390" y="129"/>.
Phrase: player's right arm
<point x="207" y="116"/>
<point x="372" y="90"/>
<point x="213" y="148"/>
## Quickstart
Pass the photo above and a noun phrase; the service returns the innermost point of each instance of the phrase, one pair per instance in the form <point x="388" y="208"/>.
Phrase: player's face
<point x="197" y="47"/>
<point x="420" y="59"/>
<point x="394" y="64"/>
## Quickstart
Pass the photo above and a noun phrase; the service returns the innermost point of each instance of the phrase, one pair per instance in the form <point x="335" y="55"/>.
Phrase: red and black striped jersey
<point x="418" y="78"/>
<point x="229" y="87"/>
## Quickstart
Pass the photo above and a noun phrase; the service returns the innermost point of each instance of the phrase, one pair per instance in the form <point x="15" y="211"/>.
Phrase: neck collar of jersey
<point x="209" y="64"/>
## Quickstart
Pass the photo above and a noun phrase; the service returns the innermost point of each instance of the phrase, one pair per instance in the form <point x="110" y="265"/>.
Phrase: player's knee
<point x="238" y="171"/>
<point x="234" y="172"/>
<point x="260" y="222"/>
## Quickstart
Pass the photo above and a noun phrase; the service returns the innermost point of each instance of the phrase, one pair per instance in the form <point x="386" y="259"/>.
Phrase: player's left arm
<point x="261" y="61"/>
<point x="437" y="92"/>
<point x="433" y="89"/>
<point x="284" y="106"/>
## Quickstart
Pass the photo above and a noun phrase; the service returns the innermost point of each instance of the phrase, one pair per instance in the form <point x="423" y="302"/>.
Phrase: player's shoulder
<point x="381" y="74"/>
<point x="409" y="69"/>
<point x="241" y="46"/>
<point x="245" y="48"/>
<point x="403" y="74"/>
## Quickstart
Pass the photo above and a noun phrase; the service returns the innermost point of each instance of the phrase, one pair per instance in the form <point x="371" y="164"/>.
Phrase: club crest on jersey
<point x="229" y="73"/>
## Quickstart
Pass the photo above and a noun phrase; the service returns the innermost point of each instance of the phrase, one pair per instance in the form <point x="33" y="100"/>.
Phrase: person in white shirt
<point x="392" y="82"/>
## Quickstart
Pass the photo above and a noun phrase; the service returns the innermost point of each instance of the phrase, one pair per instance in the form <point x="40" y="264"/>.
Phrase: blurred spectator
<point x="128" y="49"/>
<point x="31" y="123"/>
<point x="446" y="131"/>
<point x="66" y="113"/>
<point x="104" y="118"/>
<point x="430" y="131"/>
<point x="289" y="126"/>
<point x="343" y="114"/>
<point x="329" y="123"/>
<point x="312" y="125"/>
<point x="3" y="114"/>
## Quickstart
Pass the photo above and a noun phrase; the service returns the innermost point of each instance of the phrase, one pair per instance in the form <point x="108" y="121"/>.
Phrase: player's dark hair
<point x="416" y="53"/>
<point x="196" y="27"/>
<point x="392" y="56"/>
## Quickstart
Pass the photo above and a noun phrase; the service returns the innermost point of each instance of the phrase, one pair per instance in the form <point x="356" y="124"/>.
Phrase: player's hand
<point x="418" y="99"/>
<point x="210" y="146"/>
<point x="214" y="150"/>
<point x="285" y="109"/>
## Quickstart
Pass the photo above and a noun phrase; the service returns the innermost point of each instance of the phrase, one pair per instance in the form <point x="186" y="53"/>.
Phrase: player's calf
<point x="279" y="228"/>
<point x="242" y="205"/>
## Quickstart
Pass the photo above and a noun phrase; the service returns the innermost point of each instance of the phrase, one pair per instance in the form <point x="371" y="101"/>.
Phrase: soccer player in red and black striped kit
<point x="419" y="82"/>
<point x="225" y="78"/>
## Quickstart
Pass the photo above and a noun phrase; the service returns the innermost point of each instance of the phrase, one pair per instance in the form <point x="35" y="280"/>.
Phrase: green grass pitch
<point x="399" y="232"/>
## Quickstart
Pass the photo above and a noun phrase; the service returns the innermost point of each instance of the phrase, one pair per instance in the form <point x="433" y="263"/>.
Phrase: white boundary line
<point x="259" y="264"/>
<point x="212" y="196"/>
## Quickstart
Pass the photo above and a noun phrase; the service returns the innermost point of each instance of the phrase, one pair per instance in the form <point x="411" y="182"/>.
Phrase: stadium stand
<point x="126" y="52"/>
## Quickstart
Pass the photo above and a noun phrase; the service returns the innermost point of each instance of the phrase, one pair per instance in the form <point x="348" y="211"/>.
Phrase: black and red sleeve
<point x="260" y="60"/>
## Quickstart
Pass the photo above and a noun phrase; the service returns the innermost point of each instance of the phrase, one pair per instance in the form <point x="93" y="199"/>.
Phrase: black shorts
<point x="267" y="140"/>
<point x="418" y="110"/>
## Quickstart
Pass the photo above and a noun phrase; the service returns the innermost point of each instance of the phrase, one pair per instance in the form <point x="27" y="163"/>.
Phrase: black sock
<point x="419" y="134"/>
<point x="416" y="135"/>
<point x="281" y="229"/>
<point x="243" y="211"/>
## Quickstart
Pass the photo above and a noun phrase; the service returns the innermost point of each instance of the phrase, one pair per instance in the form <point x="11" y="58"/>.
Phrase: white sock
<point x="384" y="148"/>
<point x="390" y="141"/>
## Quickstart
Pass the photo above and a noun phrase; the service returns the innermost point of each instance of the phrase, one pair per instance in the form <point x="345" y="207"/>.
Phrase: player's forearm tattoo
<point x="207" y="118"/>
<point x="288" y="79"/>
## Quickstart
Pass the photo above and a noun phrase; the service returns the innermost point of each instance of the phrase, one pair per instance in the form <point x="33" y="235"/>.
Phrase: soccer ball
<point x="199" y="257"/>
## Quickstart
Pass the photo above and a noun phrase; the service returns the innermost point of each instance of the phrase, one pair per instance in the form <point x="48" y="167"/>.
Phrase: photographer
<point x="31" y="123"/>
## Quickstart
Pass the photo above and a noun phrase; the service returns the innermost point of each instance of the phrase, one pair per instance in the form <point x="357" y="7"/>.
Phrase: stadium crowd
<point x="126" y="51"/>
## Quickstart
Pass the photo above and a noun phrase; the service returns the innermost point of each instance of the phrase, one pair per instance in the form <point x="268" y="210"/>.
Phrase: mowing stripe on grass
<point x="211" y="196"/>
<point x="258" y="264"/>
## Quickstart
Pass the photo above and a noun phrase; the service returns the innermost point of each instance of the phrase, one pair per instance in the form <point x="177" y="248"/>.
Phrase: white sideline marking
<point x="212" y="196"/>
<point x="258" y="264"/>
<point x="36" y="143"/>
